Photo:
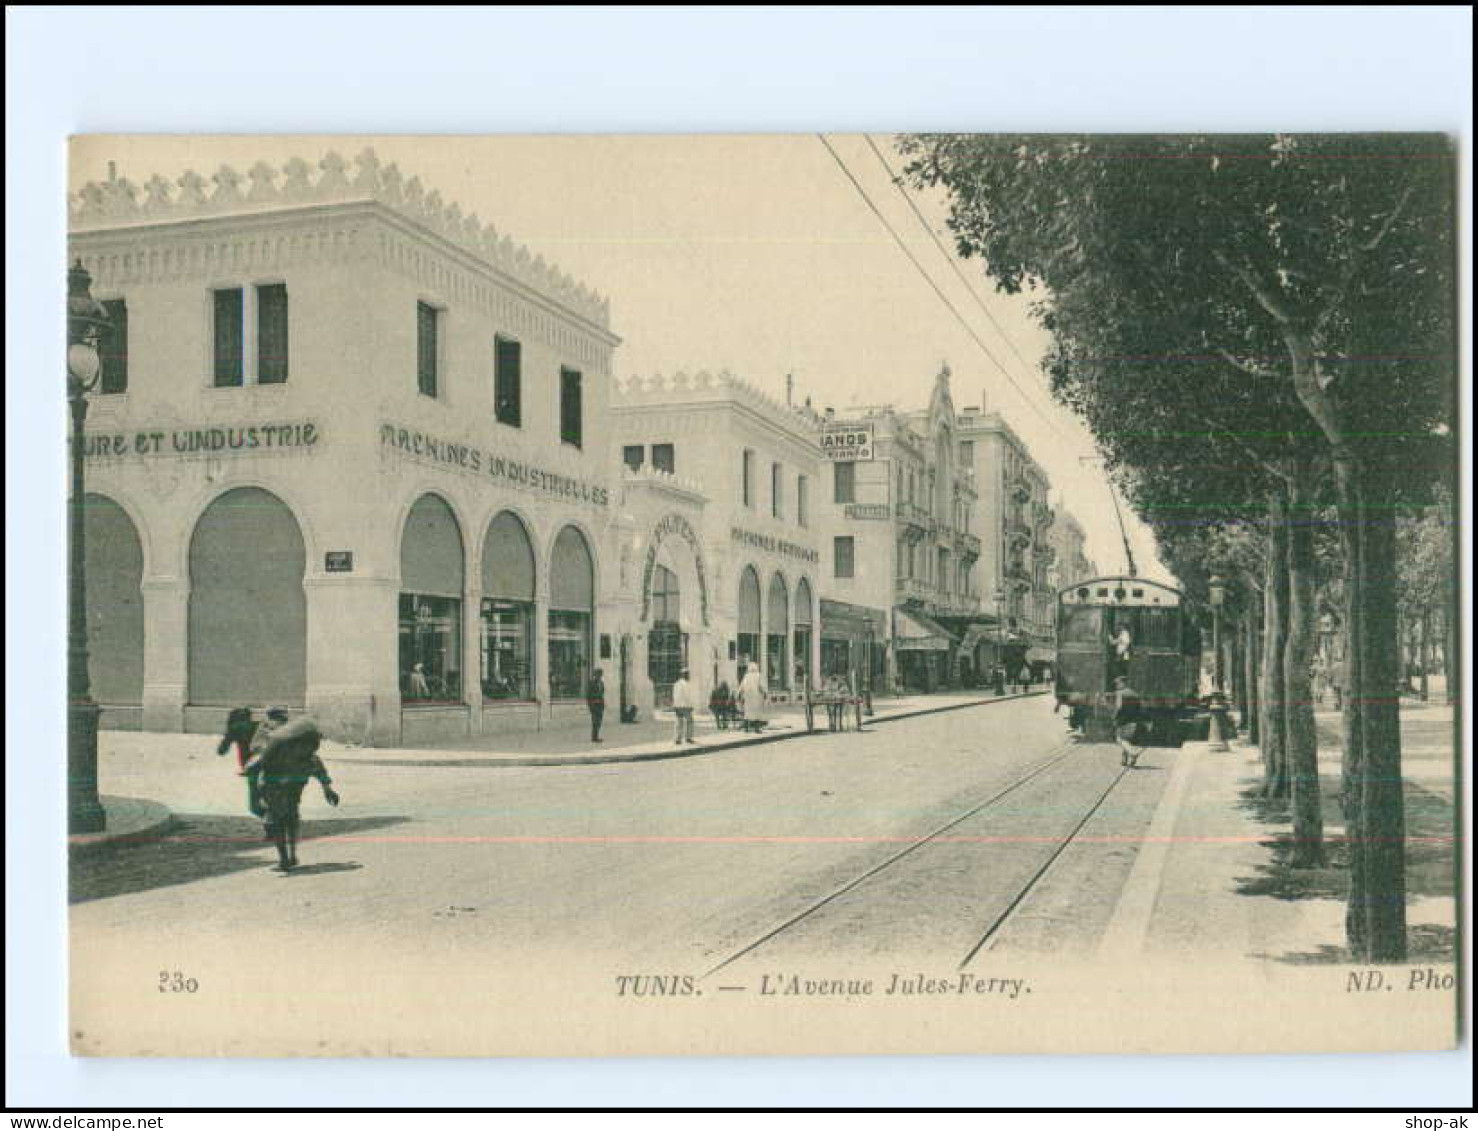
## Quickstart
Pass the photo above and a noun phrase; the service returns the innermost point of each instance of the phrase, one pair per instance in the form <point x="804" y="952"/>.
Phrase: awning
<point x="914" y="632"/>
<point x="977" y="633"/>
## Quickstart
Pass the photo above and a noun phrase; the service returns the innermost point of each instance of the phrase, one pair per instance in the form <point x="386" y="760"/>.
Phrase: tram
<point x="1125" y="625"/>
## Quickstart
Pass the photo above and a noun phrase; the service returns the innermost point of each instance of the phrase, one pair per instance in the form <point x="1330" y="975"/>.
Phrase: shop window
<point x="842" y="552"/>
<point x="508" y="381"/>
<point x="506" y="647"/>
<point x="777" y="629"/>
<point x="113" y="348"/>
<point x="228" y="338"/>
<point x="272" y="333"/>
<point x="844" y="483"/>
<point x="749" y="617"/>
<point x="664" y="458"/>
<point x="569" y="654"/>
<point x="428" y="357"/>
<point x="633" y="456"/>
<point x="430" y="649"/>
<point x="571" y="619"/>
<point x="507" y="635"/>
<point x="571" y="422"/>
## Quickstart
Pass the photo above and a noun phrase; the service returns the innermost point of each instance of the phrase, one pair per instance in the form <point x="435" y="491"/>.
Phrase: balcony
<point x="911" y="589"/>
<point x="968" y="545"/>
<point x="866" y="512"/>
<point x="915" y="517"/>
<point x="1043" y="516"/>
<point x="1018" y="533"/>
<point x="1019" y="489"/>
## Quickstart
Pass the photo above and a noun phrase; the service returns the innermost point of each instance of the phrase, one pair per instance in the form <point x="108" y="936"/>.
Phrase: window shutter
<point x="272" y="333"/>
<point x="228" y="337"/>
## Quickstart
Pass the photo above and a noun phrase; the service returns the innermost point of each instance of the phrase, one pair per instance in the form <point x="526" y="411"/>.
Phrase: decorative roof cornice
<point x="723" y="387"/>
<point x="119" y="203"/>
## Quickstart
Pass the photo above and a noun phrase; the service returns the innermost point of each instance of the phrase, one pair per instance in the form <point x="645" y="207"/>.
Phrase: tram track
<point x="1058" y="755"/>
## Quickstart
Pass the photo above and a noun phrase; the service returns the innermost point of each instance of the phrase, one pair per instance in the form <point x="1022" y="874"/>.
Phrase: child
<point x="1128" y="722"/>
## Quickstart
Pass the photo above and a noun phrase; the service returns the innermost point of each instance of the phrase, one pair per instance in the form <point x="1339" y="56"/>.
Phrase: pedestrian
<point x="279" y="771"/>
<point x="684" y="700"/>
<point x="753" y="698"/>
<point x="241" y="728"/>
<point x="1129" y="722"/>
<point x="836" y="697"/>
<point x="998" y="677"/>
<point x="1024" y="678"/>
<point x="595" y="699"/>
<point x="721" y="705"/>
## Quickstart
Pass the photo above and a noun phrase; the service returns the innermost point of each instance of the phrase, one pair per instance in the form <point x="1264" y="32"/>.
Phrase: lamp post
<point x="1216" y="589"/>
<point x="86" y="321"/>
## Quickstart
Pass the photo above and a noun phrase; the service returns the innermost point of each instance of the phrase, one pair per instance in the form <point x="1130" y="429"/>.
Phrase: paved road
<point x="686" y="861"/>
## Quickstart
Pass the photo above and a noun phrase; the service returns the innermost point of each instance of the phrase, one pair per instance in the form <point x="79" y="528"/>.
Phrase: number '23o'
<point x="175" y="982"/>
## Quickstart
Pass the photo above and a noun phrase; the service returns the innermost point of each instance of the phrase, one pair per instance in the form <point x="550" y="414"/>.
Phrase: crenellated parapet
<point x="103" y="205"/>
<point x="651" y="477"/>
<point x="706" y="387"/>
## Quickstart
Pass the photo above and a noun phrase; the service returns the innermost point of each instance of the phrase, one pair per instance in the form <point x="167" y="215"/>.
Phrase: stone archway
<point x="247" y="611"/>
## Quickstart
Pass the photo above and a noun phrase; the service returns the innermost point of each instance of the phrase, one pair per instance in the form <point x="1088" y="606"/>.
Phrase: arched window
<point x="432" y="581"/>
<point x="115" y="606"/>
<point x="749" y="617"/>
<point x="777" y="628"/>
<point x="248" y="614"/>
<point x="571" y="614"/>
<point x="507" y="645"/>
<point x="801" y="647"/>
<point x="666" y="643"/>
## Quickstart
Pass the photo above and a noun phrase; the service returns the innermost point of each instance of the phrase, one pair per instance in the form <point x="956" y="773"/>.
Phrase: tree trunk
<point x="1375" y="917"/>
<point x="1275" y="635"/>
<point x="1254" y="671"/>
<point x="1424" y="660"/>
<point x="1300" y="736"/>
<point x="1239" y="672"/>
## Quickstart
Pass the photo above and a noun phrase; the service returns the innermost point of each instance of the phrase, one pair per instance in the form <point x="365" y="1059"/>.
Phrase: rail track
<point x="990" y="931"/>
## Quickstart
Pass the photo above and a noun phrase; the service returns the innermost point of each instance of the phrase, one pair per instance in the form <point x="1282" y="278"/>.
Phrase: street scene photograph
<point x="821" y="593"/>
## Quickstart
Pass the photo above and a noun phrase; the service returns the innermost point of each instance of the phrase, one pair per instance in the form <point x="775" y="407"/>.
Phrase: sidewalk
<point x="185" y="770"/>
<point x="568" y="743"/>
<point x="1211" y="878"/>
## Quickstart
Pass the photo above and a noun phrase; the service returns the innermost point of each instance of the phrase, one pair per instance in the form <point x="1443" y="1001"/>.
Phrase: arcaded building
<point x="342" y="458"/>
<point x="716" y="537"/>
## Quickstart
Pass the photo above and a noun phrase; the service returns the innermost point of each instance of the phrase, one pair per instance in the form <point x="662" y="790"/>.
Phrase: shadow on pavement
<point x="1430" y="862"/>
<point x="200" y="847"/>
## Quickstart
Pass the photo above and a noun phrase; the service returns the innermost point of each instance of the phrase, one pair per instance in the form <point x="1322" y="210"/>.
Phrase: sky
<point x="753" y="253"/>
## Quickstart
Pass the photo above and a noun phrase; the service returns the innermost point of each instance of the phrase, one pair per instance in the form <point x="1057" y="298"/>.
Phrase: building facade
<point x="1018" y="550"/>
<point x="901" y="541"/>
<point x="341" y="458"/>
<point x="718" y="547"/>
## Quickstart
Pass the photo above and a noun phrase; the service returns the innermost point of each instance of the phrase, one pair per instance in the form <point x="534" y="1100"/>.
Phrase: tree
<point x="1318" y="272"/>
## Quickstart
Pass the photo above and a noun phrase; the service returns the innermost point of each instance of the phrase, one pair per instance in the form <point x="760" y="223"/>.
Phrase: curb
<point x="703" y="748"/>
<point x="135" y="821"/>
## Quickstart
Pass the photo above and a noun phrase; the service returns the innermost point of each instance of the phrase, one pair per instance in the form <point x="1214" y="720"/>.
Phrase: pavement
<point x="135" y="756"/>
<point x="1207" y="880"/>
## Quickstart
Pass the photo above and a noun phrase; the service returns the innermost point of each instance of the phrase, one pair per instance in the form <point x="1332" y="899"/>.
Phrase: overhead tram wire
<point x="903" y="247"/>
<point x="952" y="260"/>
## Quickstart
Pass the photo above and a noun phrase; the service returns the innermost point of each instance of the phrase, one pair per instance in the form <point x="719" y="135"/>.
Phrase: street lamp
<point x="86" y="321"/>
<point x="1216" y="590"/>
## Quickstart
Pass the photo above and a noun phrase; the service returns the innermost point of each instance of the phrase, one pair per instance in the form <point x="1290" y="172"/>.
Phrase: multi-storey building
<point x="341" y="457"/>
<point x="1017" y="549"/>
<point x="901" y="543"/>
<point x="718" y="536"/>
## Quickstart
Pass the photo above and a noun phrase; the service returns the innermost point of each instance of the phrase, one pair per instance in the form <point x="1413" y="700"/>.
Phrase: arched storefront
<point x="571" y="614"/>
<point x="667" y="643"/>
<point x="777" y="629"/>
<point x="247" y="612"/>
<point x="507" y="621"/>
<point x="801" y="637"/>
<point x="749" y="617"/>
<point x="432" y="582"/>
<point x="115" y="605"/>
